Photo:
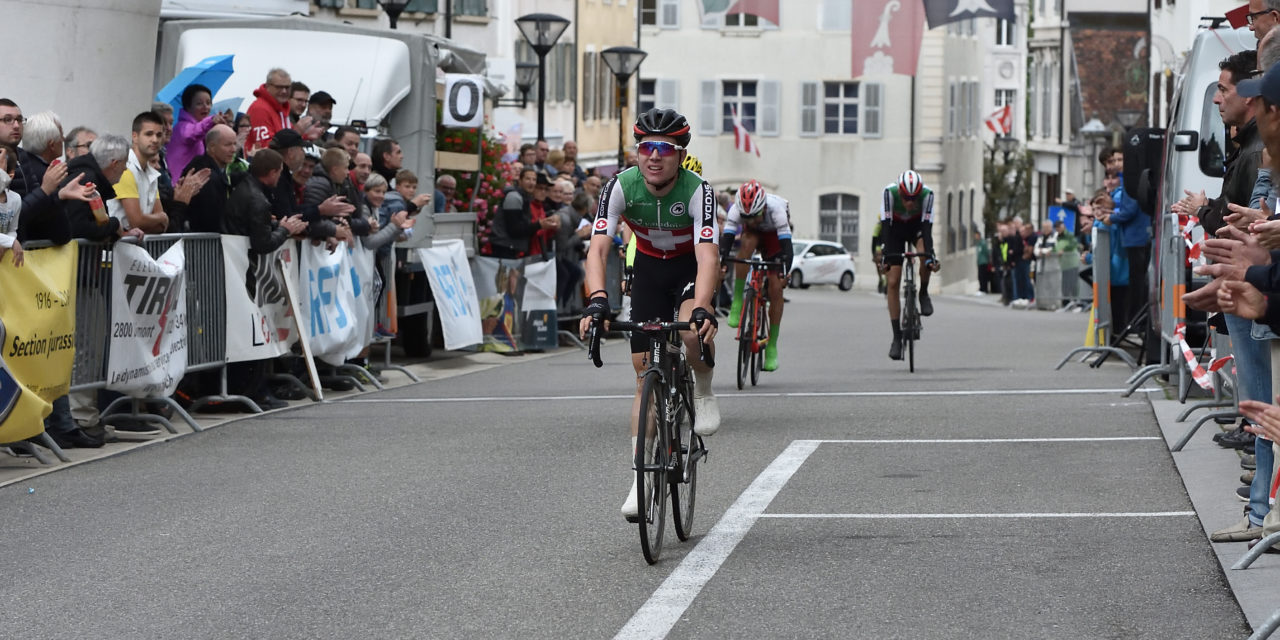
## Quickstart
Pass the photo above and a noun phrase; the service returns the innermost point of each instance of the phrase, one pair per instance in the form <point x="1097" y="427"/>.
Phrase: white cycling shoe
<point x="631" y="507"/>
<point x="706" y="410"/>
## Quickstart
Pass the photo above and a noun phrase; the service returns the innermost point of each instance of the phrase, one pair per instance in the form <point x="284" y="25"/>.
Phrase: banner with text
<point x="334" y="302"/>
<point x="148" y="353"/>
<point x="260" y="324"/>
<point x="37" y="331"/>
<point x="455" y="293"/>
<point x="516" y="311"/>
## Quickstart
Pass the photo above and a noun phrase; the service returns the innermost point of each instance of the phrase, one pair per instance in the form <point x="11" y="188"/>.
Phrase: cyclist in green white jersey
<point x="906" y="223"/>
<point x="672" y="213"/>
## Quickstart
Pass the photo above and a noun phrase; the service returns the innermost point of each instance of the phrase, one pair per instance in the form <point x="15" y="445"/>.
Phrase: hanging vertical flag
<point x="889" y="43"/>
<point x="1000" y="122"/>
<point x="741" y="137"/>
<point x="940" y="12"/>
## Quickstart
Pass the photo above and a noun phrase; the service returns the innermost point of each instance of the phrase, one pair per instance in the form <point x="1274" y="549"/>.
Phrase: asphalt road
<point x="1016" y="502"/>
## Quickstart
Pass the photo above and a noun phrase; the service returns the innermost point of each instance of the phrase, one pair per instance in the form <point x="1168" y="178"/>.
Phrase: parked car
<point x="821" y="262"/>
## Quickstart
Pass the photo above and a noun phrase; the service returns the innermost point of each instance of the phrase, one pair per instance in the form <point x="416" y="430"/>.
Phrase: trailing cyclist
<point x="672" y="213"/>
<point x="764" y="221"/>
<point x="906" y="222"/>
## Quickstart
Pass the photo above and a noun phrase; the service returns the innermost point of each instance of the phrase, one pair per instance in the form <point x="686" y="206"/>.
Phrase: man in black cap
<point x="286" y="196"/>
<point x="320" y="108"/>
<point x="513" y="226"/>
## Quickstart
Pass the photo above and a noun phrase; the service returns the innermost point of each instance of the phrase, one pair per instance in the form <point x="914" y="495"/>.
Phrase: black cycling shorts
<point x="901" y="238"/>
<point x="658" y="286"/>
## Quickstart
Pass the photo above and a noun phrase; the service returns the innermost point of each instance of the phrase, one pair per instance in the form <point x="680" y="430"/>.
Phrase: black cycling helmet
<point x="663" y="122"/>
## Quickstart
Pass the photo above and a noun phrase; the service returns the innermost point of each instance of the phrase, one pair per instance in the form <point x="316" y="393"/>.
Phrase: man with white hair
<point x="269" y="113"/>
<point x="103" y="166"/>
<point x="41" y="145"/>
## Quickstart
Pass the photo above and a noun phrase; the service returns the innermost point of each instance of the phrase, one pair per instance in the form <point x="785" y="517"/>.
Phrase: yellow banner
<point x="37" y="337"/>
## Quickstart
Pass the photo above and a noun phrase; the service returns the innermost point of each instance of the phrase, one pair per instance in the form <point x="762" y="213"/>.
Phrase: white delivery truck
<point x="383" y="80"/>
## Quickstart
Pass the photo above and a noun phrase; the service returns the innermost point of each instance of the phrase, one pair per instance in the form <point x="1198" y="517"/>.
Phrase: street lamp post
<point x="622" y="61"/>
<point x="393" y="8"/>
<point x="541" y="30"/>
<point x="1096" y="133"/>
<point x="1007" y="145"/>
<point x="525" y="72"/>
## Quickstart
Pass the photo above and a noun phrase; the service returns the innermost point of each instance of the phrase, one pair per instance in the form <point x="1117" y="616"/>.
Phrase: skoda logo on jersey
<point x="677" y="209"/>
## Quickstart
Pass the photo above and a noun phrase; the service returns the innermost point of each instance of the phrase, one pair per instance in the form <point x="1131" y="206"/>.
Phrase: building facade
<point x="830" y="140"/>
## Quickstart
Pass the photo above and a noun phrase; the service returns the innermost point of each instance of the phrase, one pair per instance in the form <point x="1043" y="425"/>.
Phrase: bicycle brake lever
<point x="593" y="348"/>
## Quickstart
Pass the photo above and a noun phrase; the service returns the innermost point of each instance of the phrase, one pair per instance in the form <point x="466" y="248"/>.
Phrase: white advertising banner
<point x="148" y="354"/>
<point x="455" y="293"/>
<point x="331" y="301"/>
<point x="260" y="324"/>
<point x="366" y="284"/>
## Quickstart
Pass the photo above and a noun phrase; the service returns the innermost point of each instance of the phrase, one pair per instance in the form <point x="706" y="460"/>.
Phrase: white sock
<point x="633" y="447"/>
<point x="702" y="384"/>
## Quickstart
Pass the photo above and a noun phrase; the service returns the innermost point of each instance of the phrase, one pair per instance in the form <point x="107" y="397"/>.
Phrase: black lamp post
<point x="541" y="30"/>
<point x="1007" y="145"/>
<point x="622" y="61"/>
<point x="393" y="8"/>
<point x="525" y="76"/>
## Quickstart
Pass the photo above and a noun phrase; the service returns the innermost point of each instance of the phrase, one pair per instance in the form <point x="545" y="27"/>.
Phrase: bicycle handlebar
<point x="651" y="328"/>
<point x="908" y="254"/>
<point x="767" y="264"/>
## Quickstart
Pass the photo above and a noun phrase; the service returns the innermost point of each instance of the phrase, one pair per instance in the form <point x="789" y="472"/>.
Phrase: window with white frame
<point x="470" y="8"/>
<point x="736" y="21"/>
<point x="838" y="219"/>
<point x="658" y="93"/>
<point x="1046" y="100"/>
<point x="835" y="15"/>
<point x="1006" y="33"/>
<point x="951" y="108"/>
<point x="660" y="13"/>
<point x="840" y="107"/>
<point x="742" y="97"/>
<point x="649" y="12"/>
<point x="561" y="69"/>
<point x="809" y="109"/>
<point x="1004" y="97"/>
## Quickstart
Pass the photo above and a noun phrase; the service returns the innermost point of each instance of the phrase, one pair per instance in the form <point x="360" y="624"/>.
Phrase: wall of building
<point x="804" y="167"/>
<point x="601" y="25"/>
<point x="89" y="61"/>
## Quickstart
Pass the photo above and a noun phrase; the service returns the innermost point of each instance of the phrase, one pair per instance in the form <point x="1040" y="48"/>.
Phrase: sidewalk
<point x="1211" y="475"/>
<point x="443" y="364"/>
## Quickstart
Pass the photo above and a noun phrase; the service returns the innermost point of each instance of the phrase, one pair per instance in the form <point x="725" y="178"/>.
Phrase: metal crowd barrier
<point x="1172" y="257"/>
<point x="1101" y="306"/>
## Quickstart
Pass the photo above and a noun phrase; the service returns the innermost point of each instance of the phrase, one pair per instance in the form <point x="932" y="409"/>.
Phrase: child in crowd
<point x="10" y="207"/>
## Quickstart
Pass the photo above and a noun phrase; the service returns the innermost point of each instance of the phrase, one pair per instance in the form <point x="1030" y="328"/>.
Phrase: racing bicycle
<point x="753" y="325"/>
<point x="667" y="449"/>
<point x="910" y="318"/>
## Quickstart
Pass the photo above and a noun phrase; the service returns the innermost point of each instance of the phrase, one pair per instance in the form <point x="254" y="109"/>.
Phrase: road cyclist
<point x="671" y="212"/>
<point x="759" y="221"/>
<point x="906" y="220"/>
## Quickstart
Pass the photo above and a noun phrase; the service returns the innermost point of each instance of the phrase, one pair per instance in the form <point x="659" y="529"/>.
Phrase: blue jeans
<point x="1253" y="373"/>
<point x="1022" y="281"/>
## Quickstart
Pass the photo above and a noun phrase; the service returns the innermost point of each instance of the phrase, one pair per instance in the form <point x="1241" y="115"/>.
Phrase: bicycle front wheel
<point x="910" y="326"/>
<point x="746" y="336"/>
<point x="684" y="452"/>
<point x="651" y="466"/>
<point x="761" y="339"/>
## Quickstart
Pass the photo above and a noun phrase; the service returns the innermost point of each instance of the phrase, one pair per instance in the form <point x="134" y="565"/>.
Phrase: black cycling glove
<point x="701" y="315"/>
<point x="598" y="308"/>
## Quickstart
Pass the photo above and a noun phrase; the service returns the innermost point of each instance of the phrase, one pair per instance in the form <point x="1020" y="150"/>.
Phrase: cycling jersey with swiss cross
<point x="665" y="227"/>
<point x="895" y="207"/>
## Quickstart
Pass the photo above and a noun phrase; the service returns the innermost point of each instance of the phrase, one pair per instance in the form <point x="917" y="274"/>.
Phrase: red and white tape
<point x="1198" y="372"/>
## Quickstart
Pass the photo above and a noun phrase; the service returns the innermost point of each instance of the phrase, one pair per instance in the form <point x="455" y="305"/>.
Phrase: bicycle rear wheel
<point x="685" y="448"/>
<point x="746" y="335"/>
<point x="651" y="468"/>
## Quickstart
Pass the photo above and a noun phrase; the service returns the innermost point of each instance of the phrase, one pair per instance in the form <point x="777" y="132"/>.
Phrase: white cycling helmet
<point x="751" y="198"/>
<point x="910" y="184"/>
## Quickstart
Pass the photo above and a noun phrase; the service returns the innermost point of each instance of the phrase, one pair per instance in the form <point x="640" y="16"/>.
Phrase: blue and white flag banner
<point x="454" y="290"/>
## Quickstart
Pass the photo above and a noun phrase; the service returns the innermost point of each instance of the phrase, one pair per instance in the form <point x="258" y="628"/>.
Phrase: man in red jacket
<point x="270" y="112"/>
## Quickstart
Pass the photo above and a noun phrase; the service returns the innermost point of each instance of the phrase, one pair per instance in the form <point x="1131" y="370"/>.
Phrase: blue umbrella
<point x="211" y="72"/>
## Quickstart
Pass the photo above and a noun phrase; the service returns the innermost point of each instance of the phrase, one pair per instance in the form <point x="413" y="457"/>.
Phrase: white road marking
<point x="801" y="394"/>
<point x="949" y="516"/>
<point x="663" y="609"/>
<point x="990" y="440"/>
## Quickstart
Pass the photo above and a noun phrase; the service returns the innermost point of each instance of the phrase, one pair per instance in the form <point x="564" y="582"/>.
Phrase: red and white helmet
<point x="910" y="184"/>
<point x="751" y="199"/>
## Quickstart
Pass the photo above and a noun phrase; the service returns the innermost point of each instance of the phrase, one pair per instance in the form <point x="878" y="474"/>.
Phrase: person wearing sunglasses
<point x="762" y="220"/>
<point x="906" y="217"/>
<point x="672" y="213"/>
